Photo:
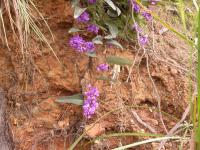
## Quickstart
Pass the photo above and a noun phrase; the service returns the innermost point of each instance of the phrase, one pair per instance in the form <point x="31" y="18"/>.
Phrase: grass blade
<point x="182" y="12"/>
<point x="197" y="131"/>
<point x="196" y="5"/>
<point x="149" y="141"/>
<point x="4" y="29"/>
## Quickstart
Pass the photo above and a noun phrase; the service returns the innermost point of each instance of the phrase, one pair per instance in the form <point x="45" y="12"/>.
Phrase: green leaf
<point x="91" y="54"/>
<point x="75" y="3"/>
<point x="73" y="30"/>
<point x="109" y="37"/>
<point x="78" y="11"/>
<point x="118" y="60"/>
<point x="113" y="13"/>
<point x="76" y="99"/>
<point x="104" y="78"/>
<point x="182" y="12"/>
<point x="118" y="11"/>
<point x="111" y="4"/>
<point x="114" y="42"/>
<point x="98" y="39"/>
<point x="113" y="29"/>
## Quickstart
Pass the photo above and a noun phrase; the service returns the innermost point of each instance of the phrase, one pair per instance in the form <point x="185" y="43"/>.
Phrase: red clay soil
<point x="39" y="123"/>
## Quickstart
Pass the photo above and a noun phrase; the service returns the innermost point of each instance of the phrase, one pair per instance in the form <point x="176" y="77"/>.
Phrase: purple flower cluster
<point x="90" y="104"/>
<point x="135" y="6"/>
<point x="80" y="45"/>
<point x="93" y="28"/>
<point x="92" y="1"/>
<point x="102" y="67"/>
<point x="84" y="17"/>
<point x="147" y="16"/>
<point x="153" y="2"/>
<point x="143" y="39"/>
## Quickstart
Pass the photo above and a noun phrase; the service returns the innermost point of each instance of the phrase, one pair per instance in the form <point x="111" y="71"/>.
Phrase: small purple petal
<point x="90" y="46"/>
<point x="136" y="27"/>
<point x="103" y="67"/>
<point x="153" y="2"/>
<point x="93" y="28"/>
<point x="147" y="16"/>
<point x="135" y="6"/>
<point x="84" y="17"/>
<point x="92" y="1"/>
<point x="143" y="40"/>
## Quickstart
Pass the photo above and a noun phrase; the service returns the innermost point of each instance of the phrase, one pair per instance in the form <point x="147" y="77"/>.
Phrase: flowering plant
<point x="106" y="20"/>
<point x="114" y="19"/>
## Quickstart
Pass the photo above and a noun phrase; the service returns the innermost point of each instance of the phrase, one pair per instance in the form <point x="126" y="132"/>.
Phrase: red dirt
<point x="38" y="122"/>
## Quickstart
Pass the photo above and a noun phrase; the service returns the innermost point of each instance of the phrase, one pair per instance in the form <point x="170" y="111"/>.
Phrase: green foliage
<point x="76" y="99"/>
<point x="113" y="17"/>
<point x="74" y="30"/>
<point x="114" y="42"/>
<point x="118" y="60"/>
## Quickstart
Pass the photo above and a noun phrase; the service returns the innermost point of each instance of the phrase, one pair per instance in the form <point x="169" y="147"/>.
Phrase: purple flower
<point x="147" y="16"/>
<point x="80" y="45"/>
<point x="93" y="28"/>
<point x="103" y="67"/>
<point x="90" y="104"/>
<point x="84" y="17"/>
<point x="92" y="1"/>
<point x="89" y="108"/>
<point x="77" y="43"/>
<point x="135" y="6"/>
<point x="153" y="2"/>
<point x="143" y="39"/>
<point x="90" y="46"/>
<point x="136" y="27"/>
<point x="92" y="91"/>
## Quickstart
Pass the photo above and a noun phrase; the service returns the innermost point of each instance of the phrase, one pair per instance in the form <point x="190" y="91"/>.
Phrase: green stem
<point x="198" y="86"/>
<point x="198" y="69"/>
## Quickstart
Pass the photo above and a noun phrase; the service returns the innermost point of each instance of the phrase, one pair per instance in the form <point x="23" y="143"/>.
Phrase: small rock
<point x="173" y="71"/>
<point x="96" y="129"/>
<point x="63" y="124"/>
<point x="163" y="30"/>
<point x="30" y="130"/>
<point x="15" y="121"/>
